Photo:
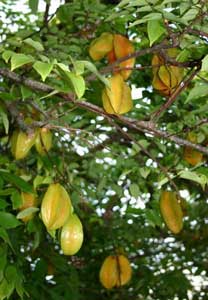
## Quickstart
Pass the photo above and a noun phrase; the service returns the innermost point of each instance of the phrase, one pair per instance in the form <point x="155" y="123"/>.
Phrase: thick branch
<point x="136" y="125"/>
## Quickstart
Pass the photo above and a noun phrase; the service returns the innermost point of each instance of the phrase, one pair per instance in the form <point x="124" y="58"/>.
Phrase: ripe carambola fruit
<point x="72" y="235"/>
<point x="21" y="143"/>
<point x="124" y="269"/>
<point x="166" y="77"/>
<point x="115" y="46"/>
<point x="55" y="207"/>
<point x="123" y="47"/>
<point x="171" y="211"/>
<point x="192" y="156"/>
<point x="115" y="271"/>
<point x="109" y="272"/>
<point x="117" y="99"/>
<point x="28" y="200"/>
<point x="43" y="141"/>
<point x="101" y="46"/>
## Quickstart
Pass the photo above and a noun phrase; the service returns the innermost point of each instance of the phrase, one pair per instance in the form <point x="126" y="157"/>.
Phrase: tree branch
<point x="46" y="13"/>
<point x="144" y="126"/>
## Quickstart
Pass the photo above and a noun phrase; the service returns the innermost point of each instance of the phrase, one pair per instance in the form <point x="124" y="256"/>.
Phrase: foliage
<point x="113" y="167"/>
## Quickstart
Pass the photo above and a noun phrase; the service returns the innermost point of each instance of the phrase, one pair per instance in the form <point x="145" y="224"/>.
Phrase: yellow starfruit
<point x="171" y="211"/>
<point x="117" y="98"/>
<point x="124" y="270"/>
<point x="123" y="47"/>
<point x="166" y="78"/>
<point x="43" y="142"/>
<point x="21" y="143"/>
<point x="192" y="156"/>
<point x="101" y="46"/>
<point x="115" y="271"/>
<point x="55" y="207"/>
<point x="72" y="235"/>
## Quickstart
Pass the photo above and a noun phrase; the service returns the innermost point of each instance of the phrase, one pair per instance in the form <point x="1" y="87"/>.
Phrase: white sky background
<point x="22" y="6"/>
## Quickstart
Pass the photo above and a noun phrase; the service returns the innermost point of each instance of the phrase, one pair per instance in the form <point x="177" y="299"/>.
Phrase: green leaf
<point x="3" y="256"/>
<point x="102" y="184"/>
<point x="155" y="29"/>
<point x="144" y="172"/>
<point x="77" y="82"/>
<point x="50" y="94"/>
<point x="19" y="59"/>
<point x="205" y="64"/>
<point x="4" y="235"/>
<point x="200" y="90"/>
<point x="193" y="176"/>
<point x="149" y="17"/>
<point x="27" y="212"/>
<point x="36" y="45"/>
<point x="33" y="4"/>
<point x="16" y="181"/>
<point x="7" y="96"/>
<point x="78" y="67"/>
<point x="26" y="92"/>
<point x="39" y="180"/>
<point x="16" y="199"/>
<point x="7" y="55"/>
<point x="19" y="286"/>
<point x="44" y="69"/>
<point x="153" y="217"/>
<point x="134" y="190"/>
<point x="3" y="203"/>
<point x="134" y="211"/>
<point x="8" y="220"/>
<point x="5" y="120"/>
<point x="7" y="192"/>
<point x="6" y="289"/>
<point x="190" y="14"/>
<point x="92" y="68"/>
<point x="11" y="274"/>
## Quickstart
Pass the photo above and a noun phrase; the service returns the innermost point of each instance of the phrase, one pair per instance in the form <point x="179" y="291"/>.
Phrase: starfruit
<point x="28" y="200"/>
<point x="192" y="156"/>
<point x="114" y="46"/>
<point x="124" y="270"/>
<point x="123" y="47"/>
<point x="55" y="207"/>
<point x="21" y="143"/>
<point x="43" y="141"/>
<point x="166" y="78"/>
<point x="101" y="46"/>
<point x="115" y="271"/>
<point x="108" y="272"/>
<point x="72" y="235"/>
<point x="117" y="98"/>
<point x="171" y="211"/>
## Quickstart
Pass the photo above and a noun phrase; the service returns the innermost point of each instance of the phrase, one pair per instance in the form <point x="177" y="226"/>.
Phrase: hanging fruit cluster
<point x="192" y="156"/>
<point x="117" y="97"/>
<point x="57" y="213"/>
<point x="166" y="78"/>
<point x="115" y="271"/>
<point x="22" y="142"/>
<point x="171" y="211"/>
